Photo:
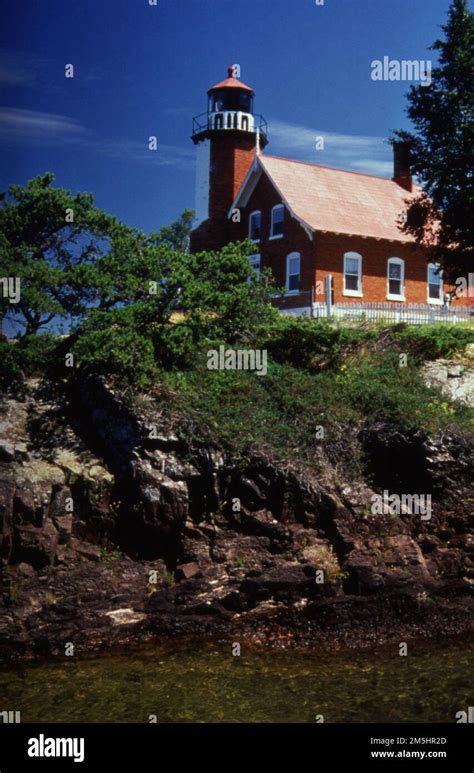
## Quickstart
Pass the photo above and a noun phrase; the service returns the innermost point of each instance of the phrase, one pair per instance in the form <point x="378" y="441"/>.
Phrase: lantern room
<point x="230" y="108"/>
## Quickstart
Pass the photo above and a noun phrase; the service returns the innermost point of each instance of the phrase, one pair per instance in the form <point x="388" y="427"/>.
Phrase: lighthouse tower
<point x="228" y="136"/>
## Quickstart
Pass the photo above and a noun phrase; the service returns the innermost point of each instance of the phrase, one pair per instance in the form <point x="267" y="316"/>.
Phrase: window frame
<point x="435" y="301"/>
<point x="255" y="212"/>
<point x="289" y="257"/>
<point x="257" y="270"/>
<point x="273" y="235"/>
<point x="352" y="293"/>
<point x="395" y="296"/>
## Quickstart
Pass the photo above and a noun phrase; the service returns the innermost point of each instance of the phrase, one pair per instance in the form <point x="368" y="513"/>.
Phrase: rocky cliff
<point x="115" y="530"/>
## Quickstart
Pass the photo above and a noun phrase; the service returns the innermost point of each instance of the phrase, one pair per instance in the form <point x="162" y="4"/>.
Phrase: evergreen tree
<point x="442" y="149"/>
<point x="46" y="233"/>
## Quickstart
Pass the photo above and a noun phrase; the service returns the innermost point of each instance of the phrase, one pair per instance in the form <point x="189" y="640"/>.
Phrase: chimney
<point x="401" y="165"/>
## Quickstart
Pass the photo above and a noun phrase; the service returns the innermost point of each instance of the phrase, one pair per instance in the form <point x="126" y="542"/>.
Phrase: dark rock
<point x="186" y="571"/>
<point x="86" y="550"/>
<point x="248" y="571"/>
<point x="7" y="451"/>
<point x="35" y="546"/>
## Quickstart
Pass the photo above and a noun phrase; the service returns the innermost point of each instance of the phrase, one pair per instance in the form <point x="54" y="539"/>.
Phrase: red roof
<point x="231" y="83"/>
<point x="339" y="201"/>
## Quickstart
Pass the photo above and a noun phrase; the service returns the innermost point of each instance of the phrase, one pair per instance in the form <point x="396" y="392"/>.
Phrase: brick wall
<point x="330" y="250"/>
<point x="231" y="157"/>
<point x="274" y="251"/>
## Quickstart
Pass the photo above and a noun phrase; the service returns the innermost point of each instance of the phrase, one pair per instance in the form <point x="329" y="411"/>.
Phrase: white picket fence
<point x="413" y="314"/>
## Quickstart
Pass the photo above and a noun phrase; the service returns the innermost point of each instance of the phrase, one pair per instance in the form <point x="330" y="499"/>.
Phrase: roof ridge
<point x="324" y="166"/>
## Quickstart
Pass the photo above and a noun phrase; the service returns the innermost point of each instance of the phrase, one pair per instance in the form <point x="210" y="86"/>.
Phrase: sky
<point x="143" y="70"/>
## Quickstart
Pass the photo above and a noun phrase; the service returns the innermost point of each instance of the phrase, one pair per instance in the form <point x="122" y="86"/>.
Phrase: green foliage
<point x="203" y="297"/>
<point x="45" y="234"/>
<point x="429" y="342"/>
<point x="221" y="297"/>
<point x="282" y="411"/>
<point x="148" y="312"/>
<point x="30" y="356"/>
<point x="108" y="554"/>
<point x="176" y="235"/>
<point x="11" y="374"/>
<point x="382" y="391"/>
<point x="71" y="257"/>
<point x="121" y="352"/>
<point x="304" y="343"/>
<point x="442" y="147"/>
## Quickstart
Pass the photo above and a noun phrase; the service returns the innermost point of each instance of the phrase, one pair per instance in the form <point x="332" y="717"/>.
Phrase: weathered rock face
<point x="48" y="491"/>
<point x="454" y="377"/>
<point x="114" y="530"/>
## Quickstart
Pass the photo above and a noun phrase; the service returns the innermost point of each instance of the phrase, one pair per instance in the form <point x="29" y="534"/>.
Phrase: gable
<point x="257" y="173"/>
<point x="333" y="200"/>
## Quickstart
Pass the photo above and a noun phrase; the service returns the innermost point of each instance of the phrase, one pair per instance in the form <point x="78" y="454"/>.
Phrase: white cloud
<point x="348" y="151"/>
<point x="131" y="150"/>
<point x="17" y="124"/>
<point x="370" y="166"/>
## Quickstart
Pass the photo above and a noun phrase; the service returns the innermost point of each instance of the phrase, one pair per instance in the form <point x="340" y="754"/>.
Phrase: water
<point x="208" y="684"/>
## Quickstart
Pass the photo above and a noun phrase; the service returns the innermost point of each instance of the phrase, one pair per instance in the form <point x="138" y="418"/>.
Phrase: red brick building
<point x="307" y="221"/>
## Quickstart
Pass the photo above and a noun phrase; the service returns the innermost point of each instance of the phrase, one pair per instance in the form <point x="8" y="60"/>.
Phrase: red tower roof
<point x="231" y="82"/>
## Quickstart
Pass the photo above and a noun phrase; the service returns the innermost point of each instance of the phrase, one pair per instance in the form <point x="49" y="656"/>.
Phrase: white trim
<point x="225" y="120"/>
<point x="255" y="212"/>
<point x="434" y="301"/>
<point x="201" y="189"/>
<point x="289" y="257"/>
<point x="272" y="235"/>
<point x="352" y="293"/>
<point x="394" y="296"/>
<point x="247" y="187"/>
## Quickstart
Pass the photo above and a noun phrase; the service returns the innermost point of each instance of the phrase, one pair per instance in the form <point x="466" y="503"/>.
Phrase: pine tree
<point x="442" y="149"/>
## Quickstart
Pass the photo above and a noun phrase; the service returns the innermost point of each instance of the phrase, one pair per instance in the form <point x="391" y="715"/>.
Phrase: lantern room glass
<point x="231" y="100"/>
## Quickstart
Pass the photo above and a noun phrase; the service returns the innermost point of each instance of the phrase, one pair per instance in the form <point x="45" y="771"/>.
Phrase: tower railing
<point x="202" y="123"/>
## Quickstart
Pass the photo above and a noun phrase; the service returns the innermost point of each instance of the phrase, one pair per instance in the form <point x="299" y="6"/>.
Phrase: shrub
<point x="382" y="391"/>
<point x="312" y="345"/>
<point x="428" y="342"/>
<point x="30" y="356"/>
<point x="11" y="374"/>
<point x="117" y="352"/>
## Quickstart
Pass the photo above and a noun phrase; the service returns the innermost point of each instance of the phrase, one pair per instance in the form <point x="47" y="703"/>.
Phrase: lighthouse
<point x="228" y="136"/>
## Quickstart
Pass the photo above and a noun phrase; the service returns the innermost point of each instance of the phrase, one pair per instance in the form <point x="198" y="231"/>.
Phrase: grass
<point x="319" y="375"/>
<point x="280" y="412"/>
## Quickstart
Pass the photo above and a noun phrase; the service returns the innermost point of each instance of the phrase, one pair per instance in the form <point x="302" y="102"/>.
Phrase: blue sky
<point x="144" y="70"/>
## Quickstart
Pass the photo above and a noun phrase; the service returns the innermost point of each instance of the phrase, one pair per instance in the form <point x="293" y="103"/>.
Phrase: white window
<point x="278" y="217"/>
<point x="255" y="264"/>
<point x="255" y="226"/>
<point x="435" y="284"/>
<point x="396" y="279"/>
<point x="293" y="271"/>
<point x="352" y="274"/>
